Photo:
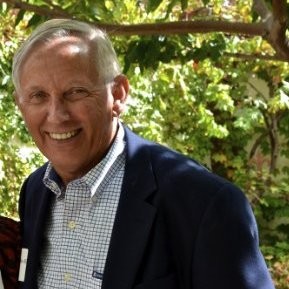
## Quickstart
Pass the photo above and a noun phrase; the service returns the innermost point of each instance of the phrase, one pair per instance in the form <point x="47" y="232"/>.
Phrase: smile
<point x="63" y="136"/>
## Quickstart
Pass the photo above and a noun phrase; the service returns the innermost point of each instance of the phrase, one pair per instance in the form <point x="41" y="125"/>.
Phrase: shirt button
<point x="71" y="225"/>
<point x="67" y="277"/>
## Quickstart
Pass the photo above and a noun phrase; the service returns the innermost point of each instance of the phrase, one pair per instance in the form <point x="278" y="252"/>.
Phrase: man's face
<point x="67" y="109"/>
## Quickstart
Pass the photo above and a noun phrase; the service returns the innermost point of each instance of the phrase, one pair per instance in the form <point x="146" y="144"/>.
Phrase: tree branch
<point x="256" y="144"/>
<point x="178" y="27"/>
<point x="260" y="7"/>
<point x="276" y="24"/>
<point x="184" y="27"/>
<point x="272" y="27"/>
<point x="40" y="10"/>
<point x="277" y="33"/>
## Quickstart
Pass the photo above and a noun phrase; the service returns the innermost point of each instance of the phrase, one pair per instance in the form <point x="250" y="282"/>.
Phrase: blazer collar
<point x="134" y="217"/>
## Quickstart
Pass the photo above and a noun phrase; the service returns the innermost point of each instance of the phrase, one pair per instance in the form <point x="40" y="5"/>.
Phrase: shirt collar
<point x="97" y="176"/>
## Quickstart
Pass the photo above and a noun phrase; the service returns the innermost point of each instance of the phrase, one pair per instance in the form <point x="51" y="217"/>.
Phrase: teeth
<point x="62" y="136"/>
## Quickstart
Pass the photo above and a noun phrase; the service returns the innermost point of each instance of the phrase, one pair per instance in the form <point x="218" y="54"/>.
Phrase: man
<point x="111" y="210"/>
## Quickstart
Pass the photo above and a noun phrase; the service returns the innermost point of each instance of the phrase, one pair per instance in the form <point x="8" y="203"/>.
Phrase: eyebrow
<point x="32" y="88"/>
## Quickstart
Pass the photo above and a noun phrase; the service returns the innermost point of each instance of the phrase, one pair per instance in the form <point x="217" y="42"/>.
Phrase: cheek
<point x="99" y="122"/>
<point x="32" y="120"/>
<point x="33" y="127"/>
<point x="29" y="120"/>
<point x="97" y="112"/>
<point x="100" y="126"/>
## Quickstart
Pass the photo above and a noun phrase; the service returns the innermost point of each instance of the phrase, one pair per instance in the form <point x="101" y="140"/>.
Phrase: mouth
<point x="63" y="135"/>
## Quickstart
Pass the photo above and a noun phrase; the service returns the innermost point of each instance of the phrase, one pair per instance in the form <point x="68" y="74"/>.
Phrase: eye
<point x="37" y="97"/>
<point x="76" y="93"/>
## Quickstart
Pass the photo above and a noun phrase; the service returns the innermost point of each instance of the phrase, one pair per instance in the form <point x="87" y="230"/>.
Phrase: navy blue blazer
<point x="178" y="226"/>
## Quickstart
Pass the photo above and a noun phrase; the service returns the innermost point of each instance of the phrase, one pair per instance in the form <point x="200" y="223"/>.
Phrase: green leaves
<point x="13" y="135"/>
<point x="148" y="52"/>
<point x="205" y="95"/>
<point x="152" y="5"/>
<point x="212" y="48"/>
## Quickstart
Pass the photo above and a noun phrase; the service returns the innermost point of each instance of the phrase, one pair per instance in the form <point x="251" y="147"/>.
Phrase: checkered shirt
<point x="80" y="225"/>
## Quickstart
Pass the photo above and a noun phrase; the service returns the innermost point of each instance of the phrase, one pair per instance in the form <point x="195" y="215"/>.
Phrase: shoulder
<point x="31" y="185"/>
<point x="179" y="178"/>
<point x="172" y="166"/>
<point x="185" y="180"/>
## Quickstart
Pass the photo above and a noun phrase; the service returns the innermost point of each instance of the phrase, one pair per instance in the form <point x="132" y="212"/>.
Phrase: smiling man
<point x="109" y="209"/>
<point x="70" y="110"/>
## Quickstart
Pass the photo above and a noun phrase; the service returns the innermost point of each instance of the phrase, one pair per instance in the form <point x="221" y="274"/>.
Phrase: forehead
<point x="60" y="59"/>
<point x="65" y="52"/>
<point x="65" y="46"/>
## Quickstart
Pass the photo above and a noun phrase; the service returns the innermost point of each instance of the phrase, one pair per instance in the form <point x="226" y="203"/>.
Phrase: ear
<point x="120" y="91"/>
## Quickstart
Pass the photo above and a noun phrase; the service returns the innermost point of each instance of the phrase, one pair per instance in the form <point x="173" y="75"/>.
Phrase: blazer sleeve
<point x="227" y="251"/>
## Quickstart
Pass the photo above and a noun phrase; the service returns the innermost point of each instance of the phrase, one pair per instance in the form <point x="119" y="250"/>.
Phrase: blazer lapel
<point x="133" y="220"/>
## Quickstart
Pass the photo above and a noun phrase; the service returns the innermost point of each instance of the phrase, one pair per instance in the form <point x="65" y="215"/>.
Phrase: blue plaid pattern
<point x="79" y="227"/>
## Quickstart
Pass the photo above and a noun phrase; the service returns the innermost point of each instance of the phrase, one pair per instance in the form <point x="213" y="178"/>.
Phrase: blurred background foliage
<point x="221" y="98"/>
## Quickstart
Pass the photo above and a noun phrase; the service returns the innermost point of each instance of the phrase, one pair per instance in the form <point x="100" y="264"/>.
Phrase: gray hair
<point x="106" y="60"/>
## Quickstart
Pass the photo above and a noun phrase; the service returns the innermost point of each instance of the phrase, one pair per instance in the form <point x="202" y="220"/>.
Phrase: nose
<point x="57" y="110"/>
